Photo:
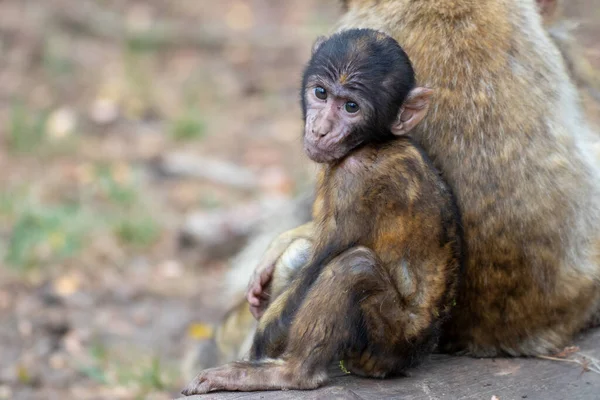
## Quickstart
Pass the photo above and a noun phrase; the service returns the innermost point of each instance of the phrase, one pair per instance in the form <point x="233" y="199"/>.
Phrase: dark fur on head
<point x="371" y="64"/>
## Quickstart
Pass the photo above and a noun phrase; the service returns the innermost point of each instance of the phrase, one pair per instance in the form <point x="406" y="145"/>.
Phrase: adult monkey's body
<point x="517" y="157"/>
<point x="517" y="154"/>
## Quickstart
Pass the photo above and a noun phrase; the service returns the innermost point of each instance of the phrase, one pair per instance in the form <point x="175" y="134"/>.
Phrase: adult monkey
<point x="518" y="157"/>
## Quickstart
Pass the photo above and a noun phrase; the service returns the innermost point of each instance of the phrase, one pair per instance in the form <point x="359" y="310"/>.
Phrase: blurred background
<point x="141" y="142"/>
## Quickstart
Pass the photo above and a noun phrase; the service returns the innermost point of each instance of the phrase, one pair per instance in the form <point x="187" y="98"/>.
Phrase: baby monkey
<point x="382" y="268"/>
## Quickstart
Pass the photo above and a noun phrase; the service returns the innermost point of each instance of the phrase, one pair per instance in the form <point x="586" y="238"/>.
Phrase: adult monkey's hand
<point x="260" y="287"/>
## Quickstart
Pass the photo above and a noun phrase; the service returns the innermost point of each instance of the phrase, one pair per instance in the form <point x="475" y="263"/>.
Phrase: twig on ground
<point x="587" y="363"/>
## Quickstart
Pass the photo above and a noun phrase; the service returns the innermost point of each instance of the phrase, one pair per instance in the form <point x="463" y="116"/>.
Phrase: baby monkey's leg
<point x="271" y="343"/>
<point x="329" y="323"/>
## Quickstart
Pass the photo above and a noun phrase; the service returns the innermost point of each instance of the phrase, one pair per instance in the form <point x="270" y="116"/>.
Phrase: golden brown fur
<point x="516" y="152"/>
<point x="379" y="303"/>
<point x="512" y="145"/>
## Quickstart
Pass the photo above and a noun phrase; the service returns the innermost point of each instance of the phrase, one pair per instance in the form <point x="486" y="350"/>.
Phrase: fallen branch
<point x="587" y="363"/>
<point x="184" y="165"/>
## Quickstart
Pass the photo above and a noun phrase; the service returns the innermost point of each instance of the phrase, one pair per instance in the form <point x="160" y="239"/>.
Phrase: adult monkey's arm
<point x="258" y="288"/>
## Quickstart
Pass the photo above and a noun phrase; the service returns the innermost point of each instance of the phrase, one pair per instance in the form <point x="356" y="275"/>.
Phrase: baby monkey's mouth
<point x="328" y="153"/>
<point x="318" y="154"/>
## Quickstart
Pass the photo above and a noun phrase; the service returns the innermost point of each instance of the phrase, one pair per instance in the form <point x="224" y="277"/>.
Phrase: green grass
<point x="129" y="220"/>
<point x="41" y="234"/>
<point x="7" y="204"/>
<point x="96" y="369"/>
<point x="26" y="129"/>
<point x="149" y="376"/>
<point x="145" y="41"/>
<point x="56" y="58"/>
<point x="140" y="82"/>
<point x="138" y="231"/>
<point x="189" y="126"/>
<point x="46" y="233"/>
<point x="209" y="201"/>
<point x="145" y="374"/>
<point x="119" y="193"/>
<point x="27" y="134"/>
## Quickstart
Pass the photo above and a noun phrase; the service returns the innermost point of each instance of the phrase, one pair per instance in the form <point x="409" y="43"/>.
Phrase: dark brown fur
<point x="379" y="303"/>
<point x="386" y="245"/>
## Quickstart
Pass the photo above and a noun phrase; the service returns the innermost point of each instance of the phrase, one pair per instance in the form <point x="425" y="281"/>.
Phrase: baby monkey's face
<point x="334" y="117"/>
<point x="358" y="88"/>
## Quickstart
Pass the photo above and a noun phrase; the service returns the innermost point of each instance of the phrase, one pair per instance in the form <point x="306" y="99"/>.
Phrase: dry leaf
<point x="200" y="331"/>
<point x="240" y="16"/>
<point x="5" y="392"/>
<point x="104" y="110"/>
<point x="121" y="173"/>
<point x="171" y="269"/>
<point x="58" y="361"/>
<point x="23" y="375"/>
<point x="66" y="285"/>
<point x="85" y="173"/>
<point x="61" y="123"/>
<point x="72" y="342"/>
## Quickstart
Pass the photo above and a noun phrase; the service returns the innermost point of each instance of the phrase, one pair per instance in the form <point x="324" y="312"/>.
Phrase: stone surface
<point x="446" y="377"/>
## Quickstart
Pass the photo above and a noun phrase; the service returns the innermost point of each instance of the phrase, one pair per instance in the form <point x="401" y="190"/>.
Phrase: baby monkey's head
<point x="358" y="87"/>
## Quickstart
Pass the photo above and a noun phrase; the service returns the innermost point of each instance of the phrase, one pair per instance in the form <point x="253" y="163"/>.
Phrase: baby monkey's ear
<point x="412" y="111"/>
<point x="320" y="40"/>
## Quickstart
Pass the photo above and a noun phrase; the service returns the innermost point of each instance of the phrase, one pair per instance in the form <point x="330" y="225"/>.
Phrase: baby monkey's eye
<point x="351" y="107"/>
<point x="321" y="93"/>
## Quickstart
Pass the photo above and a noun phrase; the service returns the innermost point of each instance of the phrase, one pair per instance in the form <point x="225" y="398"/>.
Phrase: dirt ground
<point x="121" y="123"/>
